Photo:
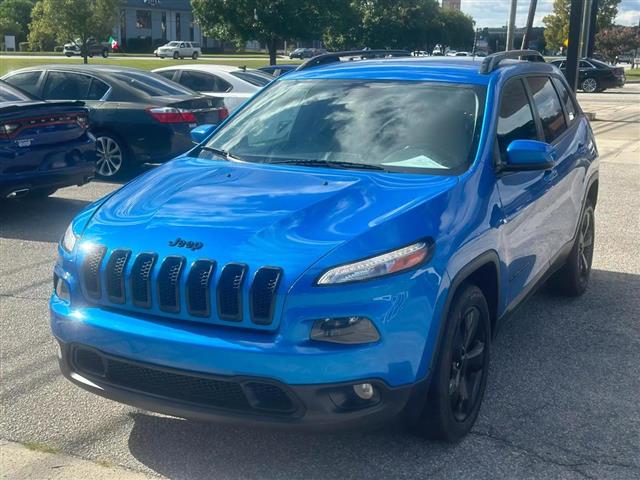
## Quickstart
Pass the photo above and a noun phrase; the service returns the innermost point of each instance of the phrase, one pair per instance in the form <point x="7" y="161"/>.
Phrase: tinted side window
<point x="66" y="86"/>
<point x="584" y="64"/>
<point x="198" y="81"/>
<point x="168" y="74"/>
<point x="516" y="119"/>
<point x="97" y="89"/>
<point x="547" y="103"/>
<point x="566" y="99"/>
<point x="27" y="81"/>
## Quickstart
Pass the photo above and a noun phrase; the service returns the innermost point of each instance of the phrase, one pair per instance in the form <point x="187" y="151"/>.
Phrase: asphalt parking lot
<point x="563" y="399"/>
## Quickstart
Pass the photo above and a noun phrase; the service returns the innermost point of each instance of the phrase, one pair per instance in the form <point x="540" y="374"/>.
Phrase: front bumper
<point x="234" y="399"/>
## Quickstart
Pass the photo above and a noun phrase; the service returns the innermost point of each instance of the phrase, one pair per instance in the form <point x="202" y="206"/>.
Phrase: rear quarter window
<point x="547" y="104"/>
<point x="566" y="100"/>
<point x="27" y="81"/>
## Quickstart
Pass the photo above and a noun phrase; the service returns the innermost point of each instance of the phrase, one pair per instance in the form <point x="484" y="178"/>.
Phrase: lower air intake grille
<point x="230" y="291"/>
<point x="198" y="288"/>
<point x="141" y="279"/>
<point x="183" y="386"/>
<point x="169" y="284"/>
<point x="91" y="271"/>
<point x="263" y="294"/>
<point x="115" y="275"/>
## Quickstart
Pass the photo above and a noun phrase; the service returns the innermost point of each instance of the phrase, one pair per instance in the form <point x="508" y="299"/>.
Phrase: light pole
<point x="511" y="27"/>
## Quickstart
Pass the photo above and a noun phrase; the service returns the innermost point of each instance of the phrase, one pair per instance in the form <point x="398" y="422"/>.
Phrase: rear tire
<point x="590" y="85"/>
<point x="573" y="277"/>
<point x="112" y="160"/>
<point x="105" y="54"/>
<point x="195" y="55"/>
<point x="460" y="371"/>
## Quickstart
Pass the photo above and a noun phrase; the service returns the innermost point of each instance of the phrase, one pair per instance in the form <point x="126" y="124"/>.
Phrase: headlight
<point x="391" y="262"/>
<point x="69" y="239"/>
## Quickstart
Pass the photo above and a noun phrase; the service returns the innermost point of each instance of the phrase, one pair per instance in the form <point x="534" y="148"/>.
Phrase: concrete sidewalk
<point x="38" y="462"/>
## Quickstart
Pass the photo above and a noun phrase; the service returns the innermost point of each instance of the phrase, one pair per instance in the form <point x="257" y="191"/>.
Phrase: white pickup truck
<point x="179" y="49"/>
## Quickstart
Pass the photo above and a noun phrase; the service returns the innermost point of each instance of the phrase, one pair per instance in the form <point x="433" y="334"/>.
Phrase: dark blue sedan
<point x="44" y="146"/>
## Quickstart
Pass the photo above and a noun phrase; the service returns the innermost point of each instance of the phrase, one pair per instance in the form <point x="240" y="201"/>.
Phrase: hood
<point x="256" y="214"/>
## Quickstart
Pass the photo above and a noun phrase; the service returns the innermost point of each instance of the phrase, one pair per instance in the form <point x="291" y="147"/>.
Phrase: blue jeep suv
<point x="340" y="251"/>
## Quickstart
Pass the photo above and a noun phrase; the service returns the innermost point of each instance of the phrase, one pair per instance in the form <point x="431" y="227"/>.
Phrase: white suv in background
<point x="233" y="84"/>
<point x="179" y="49"/>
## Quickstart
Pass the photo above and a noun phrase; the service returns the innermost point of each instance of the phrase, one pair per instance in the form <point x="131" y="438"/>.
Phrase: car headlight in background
<point x="69" y="239"/>
<point x="385" y="264"/>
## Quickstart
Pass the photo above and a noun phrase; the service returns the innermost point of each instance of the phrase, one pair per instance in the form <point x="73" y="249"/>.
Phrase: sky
<point x="495" y="13"/>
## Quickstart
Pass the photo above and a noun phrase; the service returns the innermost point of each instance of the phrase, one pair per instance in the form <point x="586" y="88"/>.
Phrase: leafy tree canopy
<point x="68" y="20"/>
<point x="557" y="23"/>
<point x="15" y="16"/>
<point x="613" y="42"/>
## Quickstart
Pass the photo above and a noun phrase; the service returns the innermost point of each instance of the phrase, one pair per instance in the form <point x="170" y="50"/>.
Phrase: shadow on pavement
<point x="38" y="219"/>
<point x="562" y="398"/>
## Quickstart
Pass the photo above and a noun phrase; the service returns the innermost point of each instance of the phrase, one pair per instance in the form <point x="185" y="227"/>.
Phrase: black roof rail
<point x="491" y="62"/>
<point x="362" y="54"/>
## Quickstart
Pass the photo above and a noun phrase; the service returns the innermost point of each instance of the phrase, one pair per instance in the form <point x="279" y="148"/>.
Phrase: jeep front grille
<point x="173" y="283"/>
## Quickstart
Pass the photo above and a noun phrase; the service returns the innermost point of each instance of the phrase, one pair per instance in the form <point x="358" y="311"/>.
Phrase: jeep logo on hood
<point x="180" y="243"/>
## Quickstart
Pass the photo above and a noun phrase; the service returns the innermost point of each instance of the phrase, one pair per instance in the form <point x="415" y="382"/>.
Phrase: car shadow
<point x="127" y="176"/>
<point x="557" y="396"/>
<point x="38" y="219"/>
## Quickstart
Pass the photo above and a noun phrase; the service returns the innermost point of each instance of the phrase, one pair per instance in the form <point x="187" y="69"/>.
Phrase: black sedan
<point x="43" y="145"/>
<point x="594" y="75"/>
<point x="137" y="116"/>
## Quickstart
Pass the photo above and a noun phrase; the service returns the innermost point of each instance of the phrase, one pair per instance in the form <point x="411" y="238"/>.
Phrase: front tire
<point x="176" y="56"/>
<point x="590" y="85"/>
<point x="573" y="277"/>
<point x="461" y="369"/>
<point x="111" y="159"/>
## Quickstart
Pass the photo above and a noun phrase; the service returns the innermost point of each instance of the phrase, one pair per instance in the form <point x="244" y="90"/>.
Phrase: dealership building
<point x="143" y="23"/>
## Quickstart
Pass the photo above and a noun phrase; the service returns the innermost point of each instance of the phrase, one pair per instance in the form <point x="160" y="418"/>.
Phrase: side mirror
<point x="528" y="155"/>
<point x="202" y="132"/>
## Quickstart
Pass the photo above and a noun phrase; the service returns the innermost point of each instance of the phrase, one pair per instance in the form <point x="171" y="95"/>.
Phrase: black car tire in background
<point x="112" y="161"/>
<point x="460" y="371"/>
<point x="176" y="55"/>
<point x="105" y="53"/>
<point x="590" y="85"/>
<point x="195" y="55"/>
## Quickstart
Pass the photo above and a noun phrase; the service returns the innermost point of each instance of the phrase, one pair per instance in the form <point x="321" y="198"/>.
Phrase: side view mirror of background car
<point x="528" y="155"/>
<point x="201" y="132"/>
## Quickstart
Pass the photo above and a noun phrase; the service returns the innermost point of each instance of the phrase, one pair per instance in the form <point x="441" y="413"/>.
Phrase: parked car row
<point x="595" y="75"/>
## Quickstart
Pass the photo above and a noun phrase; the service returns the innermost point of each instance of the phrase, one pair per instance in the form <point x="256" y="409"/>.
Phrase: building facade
<point x="454" y="4"/>
<point x="143" y="24"/>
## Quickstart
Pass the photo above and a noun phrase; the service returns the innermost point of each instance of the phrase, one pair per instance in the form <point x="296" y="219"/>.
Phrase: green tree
<point x="73" y="19"/>
<point x="15" y="16"/>
<point x="557" y="23"/>
<point x="266" y="21"/>
<point x="613" y="42"/>
<point x="455" y="29"/>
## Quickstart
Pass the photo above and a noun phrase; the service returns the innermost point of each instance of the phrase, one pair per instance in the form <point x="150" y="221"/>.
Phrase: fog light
<point x="61" y="288"/>
<point x="346" y="330"/>
<point x="364" y="390"/>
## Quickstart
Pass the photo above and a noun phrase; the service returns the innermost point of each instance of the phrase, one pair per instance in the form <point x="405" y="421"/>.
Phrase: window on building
<point x="516" y="118"/>
<point x="143" y="19"/>
<point x="163" y="25"/>
<point x="178" y="27"/>
<point x="547" y="104"/>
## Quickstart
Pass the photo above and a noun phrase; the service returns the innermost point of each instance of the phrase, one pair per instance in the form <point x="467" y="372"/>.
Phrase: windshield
<point x="253" y="77"/>
<point x="152" y="84"/>
<point x="172" y="44"/>
<point x="391" y="125"/>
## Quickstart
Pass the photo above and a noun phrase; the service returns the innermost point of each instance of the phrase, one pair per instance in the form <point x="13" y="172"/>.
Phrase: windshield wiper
<point x="221" y="153"/>
<point x="332" y="164"/>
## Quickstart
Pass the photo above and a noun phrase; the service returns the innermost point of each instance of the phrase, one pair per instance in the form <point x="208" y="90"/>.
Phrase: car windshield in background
<point x="386" y="125"/>
<point x="9" y="94"/>
<point x="151" y="84"/>
<point x="254" y="78"/>
<point x="173" y="44"/>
